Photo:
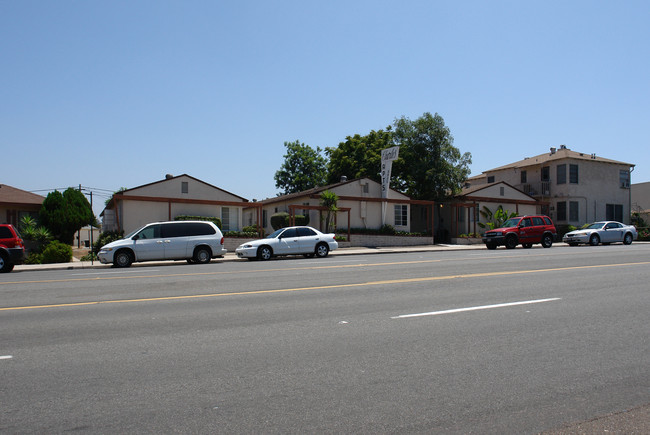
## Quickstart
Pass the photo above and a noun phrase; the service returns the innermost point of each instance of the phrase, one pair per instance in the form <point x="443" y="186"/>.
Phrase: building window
<point x="561" y="211"/>
<point x="561" y="174"/>
<point x="624" y="178"/>
<point x="225" y="218"/>
<point x="365" y="188"/>
<point x="185" y="187"/>
<point x="490" y="178"/>
<point x="502" y="191"/>
<point x="546" y="173"/>
<point x="614" y="212"/>
<point x="401" y="215"/>
<point x="524" y="177"/>
<point x="573" y="174"/>
<point x="574" y="211"/>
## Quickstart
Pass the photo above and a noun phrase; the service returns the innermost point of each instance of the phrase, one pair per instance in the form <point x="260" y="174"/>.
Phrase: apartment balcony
<point x="536" y="189"/>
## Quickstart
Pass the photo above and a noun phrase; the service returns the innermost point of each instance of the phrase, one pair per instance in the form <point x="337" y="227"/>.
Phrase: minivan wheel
<point x="122" y="259"/>
<point x="202" y="255"/>
<point x="511" y="242"/>
<point x="547" y="241"/>
<point x="264" y="253"/>
<point x="322" y="250"/>
<point x="594" y="240"/>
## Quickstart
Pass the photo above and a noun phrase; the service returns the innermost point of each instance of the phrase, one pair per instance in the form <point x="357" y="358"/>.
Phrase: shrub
<point x="212" y="219"/>
<point x="279" y="220"/>
<point x="57" y="252"/>
<point x="34" y="258"/>
<point x="105" y="238"/>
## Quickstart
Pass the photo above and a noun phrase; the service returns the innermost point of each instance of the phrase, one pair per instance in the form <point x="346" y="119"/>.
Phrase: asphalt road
<point x="502" y="341"/>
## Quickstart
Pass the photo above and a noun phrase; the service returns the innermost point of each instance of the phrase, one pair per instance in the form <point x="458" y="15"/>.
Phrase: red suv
<point x="524" y="230"/>
<point x="12" y="249"/>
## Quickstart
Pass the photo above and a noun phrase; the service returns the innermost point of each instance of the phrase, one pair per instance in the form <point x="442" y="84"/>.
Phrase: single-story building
<point x="16" y="203"/>
<point x="360" y="202"/>
<point x="461" y="215"/>
<point x="166" y="199"/>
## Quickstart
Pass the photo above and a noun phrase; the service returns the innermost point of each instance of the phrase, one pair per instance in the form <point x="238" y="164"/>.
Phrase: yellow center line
<point x="364" y="284"/>
<point x="237" y="272"/>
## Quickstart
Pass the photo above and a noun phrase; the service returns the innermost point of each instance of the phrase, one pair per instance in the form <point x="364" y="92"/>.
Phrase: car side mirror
<point x="136" y="237"/>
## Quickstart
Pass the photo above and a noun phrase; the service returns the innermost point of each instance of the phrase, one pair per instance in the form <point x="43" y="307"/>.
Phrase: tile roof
<point x="559" y="154"/>
<point x="12" y="195"/>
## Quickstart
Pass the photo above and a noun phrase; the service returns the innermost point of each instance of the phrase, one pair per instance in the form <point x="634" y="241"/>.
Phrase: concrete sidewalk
<point x="230" y="256"/>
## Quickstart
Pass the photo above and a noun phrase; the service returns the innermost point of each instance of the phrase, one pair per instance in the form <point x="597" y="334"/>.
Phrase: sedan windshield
<point x="275" y="234"/>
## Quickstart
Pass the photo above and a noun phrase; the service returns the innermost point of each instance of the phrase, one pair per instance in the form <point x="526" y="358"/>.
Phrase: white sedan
<point x="604" y="232"/>
<point x="305" y="241"/>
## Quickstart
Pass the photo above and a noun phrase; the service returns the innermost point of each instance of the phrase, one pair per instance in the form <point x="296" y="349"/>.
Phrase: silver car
<point x="604" y="232"/>
<point x="305" y="241"/>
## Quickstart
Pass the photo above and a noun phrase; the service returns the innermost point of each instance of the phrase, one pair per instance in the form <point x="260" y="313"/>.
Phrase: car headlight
<point x="498" y="233"/>
<point x="106" y="249"/>
<point x="246" y="246"/>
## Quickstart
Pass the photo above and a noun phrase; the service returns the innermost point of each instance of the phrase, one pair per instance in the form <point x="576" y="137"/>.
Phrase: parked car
<point x="12" y="248"/>
<point x="305" y="241"/>
<point x="194" y="241"/>
<point x="604" y="232"/>
<point x="524" y="230"/>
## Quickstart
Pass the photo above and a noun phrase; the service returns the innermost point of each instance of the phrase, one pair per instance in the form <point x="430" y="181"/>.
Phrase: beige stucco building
<point x="359" y="199"/>
<point x="166" y="199"/>
<point x="574" y="188"/>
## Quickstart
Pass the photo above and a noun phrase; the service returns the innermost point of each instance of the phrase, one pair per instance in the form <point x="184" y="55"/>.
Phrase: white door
<point x="288" y="243"/>
<point x="148" y="245"/>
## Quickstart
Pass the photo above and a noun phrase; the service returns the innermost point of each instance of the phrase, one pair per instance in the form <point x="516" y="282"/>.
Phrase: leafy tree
<point x="429" y="166"/>
<point x="64" y="214"/>
<point x="303" y="168"/>
<point x="329" y="200"/>
<point x="359" y="156"/>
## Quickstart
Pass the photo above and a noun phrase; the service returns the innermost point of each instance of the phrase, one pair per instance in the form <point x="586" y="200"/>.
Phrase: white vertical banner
<point x="387" y="157"/>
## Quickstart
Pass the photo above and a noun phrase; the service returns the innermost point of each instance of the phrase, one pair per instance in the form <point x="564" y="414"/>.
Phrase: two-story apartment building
<point x="574" y="188"/>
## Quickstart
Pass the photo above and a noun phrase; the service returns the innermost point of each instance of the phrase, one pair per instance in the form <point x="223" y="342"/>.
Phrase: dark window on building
<point x="574" y="211"/>
<point x="573" y="174"/>
<point x="401" y="215"/>
<point x="561" y="211"/>
<point x="561" y="174"/>
<point x="502" y="191"/>
<point x="490" y="178"/>
<point x="524" y="177"/>
<point x="185" y="187"/>
<point x="546" y="173"/>
<point x="624" y="178"/>
<point x="614" y="212"/>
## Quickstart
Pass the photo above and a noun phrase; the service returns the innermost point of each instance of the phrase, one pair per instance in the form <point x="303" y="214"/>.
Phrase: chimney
<point x="168" y="176"/>
<point x="344" y="178"/>
<point x="553" y="150"/>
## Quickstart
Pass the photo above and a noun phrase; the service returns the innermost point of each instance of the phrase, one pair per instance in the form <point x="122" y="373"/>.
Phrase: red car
<point x="524" y="230"/>
<point x="12" y="249"/>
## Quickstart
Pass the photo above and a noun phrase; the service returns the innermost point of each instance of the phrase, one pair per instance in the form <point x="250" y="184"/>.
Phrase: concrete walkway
<point x="230" y="256"/>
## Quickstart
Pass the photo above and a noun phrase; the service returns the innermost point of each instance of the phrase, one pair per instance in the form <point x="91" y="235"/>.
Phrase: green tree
<point x="65" y="213"/>
<point x="429" y="166"/>
<point x="329" y="200"/>
<point x="303" y="168"/>
<point x="359" y="156"/>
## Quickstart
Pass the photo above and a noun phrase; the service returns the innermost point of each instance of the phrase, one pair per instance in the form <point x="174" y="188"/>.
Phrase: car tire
<point x="5" y="265"/>
<point x="594" y="240"/>
<point x="627" y="240"/>
<point x="527" y="245"/>
<point x="202" y="255"/>
<point x="547" y="240"/>
<point x="322" y="250"/>
<point x="491" y="246"/>
<point x="264" y="253"/>
<point x="511" y="242"/>
<point x="123" y="259"/>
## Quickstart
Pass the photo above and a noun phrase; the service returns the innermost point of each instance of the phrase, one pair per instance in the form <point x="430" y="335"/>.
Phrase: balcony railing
<point x="540" y="188"/>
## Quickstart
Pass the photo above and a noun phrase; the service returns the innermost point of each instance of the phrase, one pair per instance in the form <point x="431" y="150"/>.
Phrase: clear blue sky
<point x="112" y="94"/>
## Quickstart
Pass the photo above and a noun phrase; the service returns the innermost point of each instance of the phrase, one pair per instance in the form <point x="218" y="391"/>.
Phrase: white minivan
<point x="194" y="241"/>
